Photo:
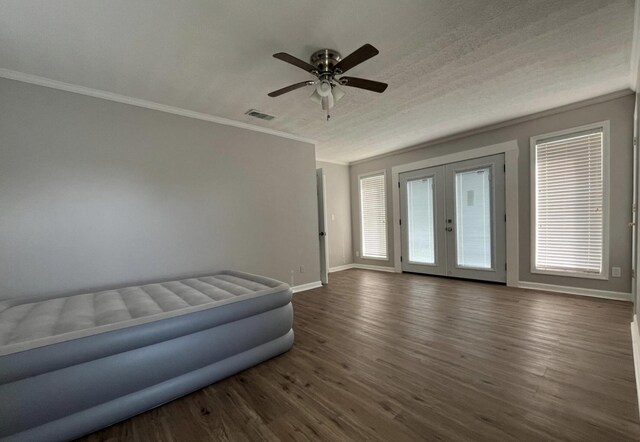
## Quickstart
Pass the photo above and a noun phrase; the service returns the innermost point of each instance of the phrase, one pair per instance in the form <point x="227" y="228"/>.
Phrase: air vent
<point x="257" y="114"/>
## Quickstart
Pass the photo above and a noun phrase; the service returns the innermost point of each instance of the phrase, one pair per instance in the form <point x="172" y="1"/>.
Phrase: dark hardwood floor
<point x="382" y="356"/>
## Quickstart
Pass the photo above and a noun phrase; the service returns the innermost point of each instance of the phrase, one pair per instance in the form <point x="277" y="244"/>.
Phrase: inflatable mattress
<point x="74" y="364"/>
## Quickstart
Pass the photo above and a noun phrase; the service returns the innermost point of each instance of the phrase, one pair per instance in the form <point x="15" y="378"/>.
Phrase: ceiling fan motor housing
<point x="325" y="60"/>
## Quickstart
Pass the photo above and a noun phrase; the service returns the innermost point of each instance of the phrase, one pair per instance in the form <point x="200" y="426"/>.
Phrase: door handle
<point x="449" y="229"/>
<point x="322" y="233"/>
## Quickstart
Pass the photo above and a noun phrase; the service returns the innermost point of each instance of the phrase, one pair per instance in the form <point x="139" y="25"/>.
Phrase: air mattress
<point x="74" y="364"/>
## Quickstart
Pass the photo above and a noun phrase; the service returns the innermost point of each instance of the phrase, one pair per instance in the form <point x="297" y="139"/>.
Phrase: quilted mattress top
<point x="25" y="324"/>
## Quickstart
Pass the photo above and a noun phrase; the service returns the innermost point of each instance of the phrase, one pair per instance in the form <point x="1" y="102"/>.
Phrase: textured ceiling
<point x="451" y="65"/>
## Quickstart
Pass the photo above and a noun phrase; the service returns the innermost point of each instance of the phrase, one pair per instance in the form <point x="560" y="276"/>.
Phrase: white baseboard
<point x="304" y="287"/>
<point x="376" y="268"/>
<point x="341" y="268"/>
<point x="363" y="267"/>
<point x="620" y="296"/>
<point x="635" y="344"/>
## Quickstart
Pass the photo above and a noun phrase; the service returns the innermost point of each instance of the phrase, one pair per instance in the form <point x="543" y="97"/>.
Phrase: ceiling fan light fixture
<point x="323" y="88"/>
<point x="337" y="92"/>
<point x="315" y="97"/>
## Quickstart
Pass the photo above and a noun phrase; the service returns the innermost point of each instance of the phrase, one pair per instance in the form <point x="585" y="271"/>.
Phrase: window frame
<point x="382" y="173"/>
<point x="604" y="125"/>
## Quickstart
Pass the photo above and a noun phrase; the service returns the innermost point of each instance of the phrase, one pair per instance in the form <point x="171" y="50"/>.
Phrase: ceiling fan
<point x="327" y="65"/>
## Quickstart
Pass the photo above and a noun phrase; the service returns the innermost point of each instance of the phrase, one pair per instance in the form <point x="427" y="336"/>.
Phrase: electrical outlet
<point x="301" y="269"/>
<point x="615" y="272"/>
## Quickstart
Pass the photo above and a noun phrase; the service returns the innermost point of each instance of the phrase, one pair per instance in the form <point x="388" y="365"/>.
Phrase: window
<point x="373" y="216"/>
<point x="570" y="202"/>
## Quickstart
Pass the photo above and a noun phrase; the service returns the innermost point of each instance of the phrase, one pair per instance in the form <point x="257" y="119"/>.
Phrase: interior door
<point x="423" y="245"/>
<point x="453" y="220"/>
<point x="475" y="220"/>
<point x="322" y="226"/>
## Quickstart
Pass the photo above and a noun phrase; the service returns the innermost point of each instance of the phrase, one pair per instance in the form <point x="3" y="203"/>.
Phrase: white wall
<point x="339" y="213"/>
<point x="96" y="194"/>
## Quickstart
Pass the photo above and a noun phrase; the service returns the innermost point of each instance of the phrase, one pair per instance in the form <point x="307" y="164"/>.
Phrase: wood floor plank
<point x="382" y="356"/>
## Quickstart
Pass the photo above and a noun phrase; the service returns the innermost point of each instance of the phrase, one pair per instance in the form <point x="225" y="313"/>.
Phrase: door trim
<point x="510" y="151"/>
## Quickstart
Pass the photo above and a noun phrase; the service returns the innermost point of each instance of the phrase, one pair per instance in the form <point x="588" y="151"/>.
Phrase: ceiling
<point x="451" y="65"/>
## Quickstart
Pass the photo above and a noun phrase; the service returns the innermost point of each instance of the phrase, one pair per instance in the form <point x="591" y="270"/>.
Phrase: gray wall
<point x="338" y="213"/>
<point x="96" y="194"/>
<point x="619" y="111"/>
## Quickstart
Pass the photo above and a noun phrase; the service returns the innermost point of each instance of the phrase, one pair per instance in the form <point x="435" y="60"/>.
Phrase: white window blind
<point x="373" y="215"/>
<point x="569" y="203"/>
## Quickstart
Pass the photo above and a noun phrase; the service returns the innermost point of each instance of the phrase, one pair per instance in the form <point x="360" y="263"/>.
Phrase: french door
<point x="453" y="219"/>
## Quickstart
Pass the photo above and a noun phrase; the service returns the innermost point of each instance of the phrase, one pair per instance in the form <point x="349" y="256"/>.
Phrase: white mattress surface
<point x="30" y="324"/>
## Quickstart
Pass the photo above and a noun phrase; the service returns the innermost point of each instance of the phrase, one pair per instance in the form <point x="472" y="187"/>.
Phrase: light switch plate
<point x="615" y="272"/>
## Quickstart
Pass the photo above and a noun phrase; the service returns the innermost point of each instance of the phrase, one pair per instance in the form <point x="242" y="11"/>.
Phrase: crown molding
<point x="340" y="163"/>
<point x="96" y="93"/>
<point x="511" y="122"/>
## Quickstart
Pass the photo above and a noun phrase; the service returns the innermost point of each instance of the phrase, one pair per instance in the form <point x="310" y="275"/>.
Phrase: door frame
<point x="510" y="150"/>
<point x="635" y="237"/>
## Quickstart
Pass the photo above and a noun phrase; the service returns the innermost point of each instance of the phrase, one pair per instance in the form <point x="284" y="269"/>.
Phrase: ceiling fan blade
<point x="362" y="83"/>
<point x="290" y="88"/>
<point x="295" y="61"/>
<point x="355" y="58"/>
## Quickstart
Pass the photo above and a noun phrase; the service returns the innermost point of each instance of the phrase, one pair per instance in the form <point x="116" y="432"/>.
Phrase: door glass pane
<point x="421" y="221"/>
<point x="473" y="218"/>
